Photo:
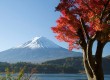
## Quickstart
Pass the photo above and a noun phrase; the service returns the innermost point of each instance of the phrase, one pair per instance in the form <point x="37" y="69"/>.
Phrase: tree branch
<point x="90" y="58"/>
<point x="98" y="55"/>
<point x="102" y="13"/>
<point x="88" y="6"/>
<point x="99" y="50"/>
<point x="84" y="28"/>
<point x="82" y="41"/>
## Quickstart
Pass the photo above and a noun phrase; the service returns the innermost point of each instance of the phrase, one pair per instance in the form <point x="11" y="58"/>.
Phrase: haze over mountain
<point x="37" y="50"/>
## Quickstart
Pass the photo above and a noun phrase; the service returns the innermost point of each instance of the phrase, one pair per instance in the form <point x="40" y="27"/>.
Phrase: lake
<point x="62" y="77"/>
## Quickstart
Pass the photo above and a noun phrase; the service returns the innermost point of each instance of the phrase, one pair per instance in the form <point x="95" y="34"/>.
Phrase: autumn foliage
<point x="90" y="17"/>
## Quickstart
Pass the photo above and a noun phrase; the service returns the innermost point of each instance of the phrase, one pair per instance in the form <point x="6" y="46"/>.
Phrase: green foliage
<point x="20" y="76"/>
<point x="21" y="73"/>
<point x="67" y="65"/>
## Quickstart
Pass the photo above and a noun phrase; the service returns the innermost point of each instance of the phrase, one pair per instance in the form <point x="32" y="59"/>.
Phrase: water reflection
<point x="64" y="77"/>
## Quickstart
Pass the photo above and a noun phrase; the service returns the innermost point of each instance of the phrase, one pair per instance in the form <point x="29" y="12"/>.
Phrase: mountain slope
<point x="37" y="50"/>
<point x="39" y="42"/>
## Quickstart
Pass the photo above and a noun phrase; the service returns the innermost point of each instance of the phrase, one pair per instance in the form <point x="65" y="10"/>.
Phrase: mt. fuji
<point x="39" y="42"/>
<point x="37" y="50"/>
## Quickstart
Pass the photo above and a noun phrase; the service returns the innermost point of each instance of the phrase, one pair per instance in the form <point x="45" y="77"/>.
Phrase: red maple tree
<point x="82" y="22"/>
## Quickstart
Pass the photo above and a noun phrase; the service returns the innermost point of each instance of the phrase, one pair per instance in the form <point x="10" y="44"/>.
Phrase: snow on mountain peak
<point x="39" y="42"/>
<point x="37" y="38"/>
<point x="37" y="50"/>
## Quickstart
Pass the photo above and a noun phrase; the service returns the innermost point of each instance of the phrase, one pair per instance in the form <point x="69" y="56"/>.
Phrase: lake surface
<point x="62" y="77"/>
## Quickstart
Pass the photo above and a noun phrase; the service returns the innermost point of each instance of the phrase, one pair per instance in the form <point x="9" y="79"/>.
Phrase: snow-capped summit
<point x="39" y="42"/>
<point x="37" y="50"/>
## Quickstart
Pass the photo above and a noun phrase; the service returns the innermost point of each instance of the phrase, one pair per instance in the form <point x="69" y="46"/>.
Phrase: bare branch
<point x="84" y="29"/>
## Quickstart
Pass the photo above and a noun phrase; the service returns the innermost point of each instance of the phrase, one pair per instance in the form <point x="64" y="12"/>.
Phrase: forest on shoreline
<point x="67" y="65"/>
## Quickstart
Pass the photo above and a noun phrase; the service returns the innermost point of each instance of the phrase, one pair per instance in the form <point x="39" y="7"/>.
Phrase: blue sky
<point x="22" y="20"/>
